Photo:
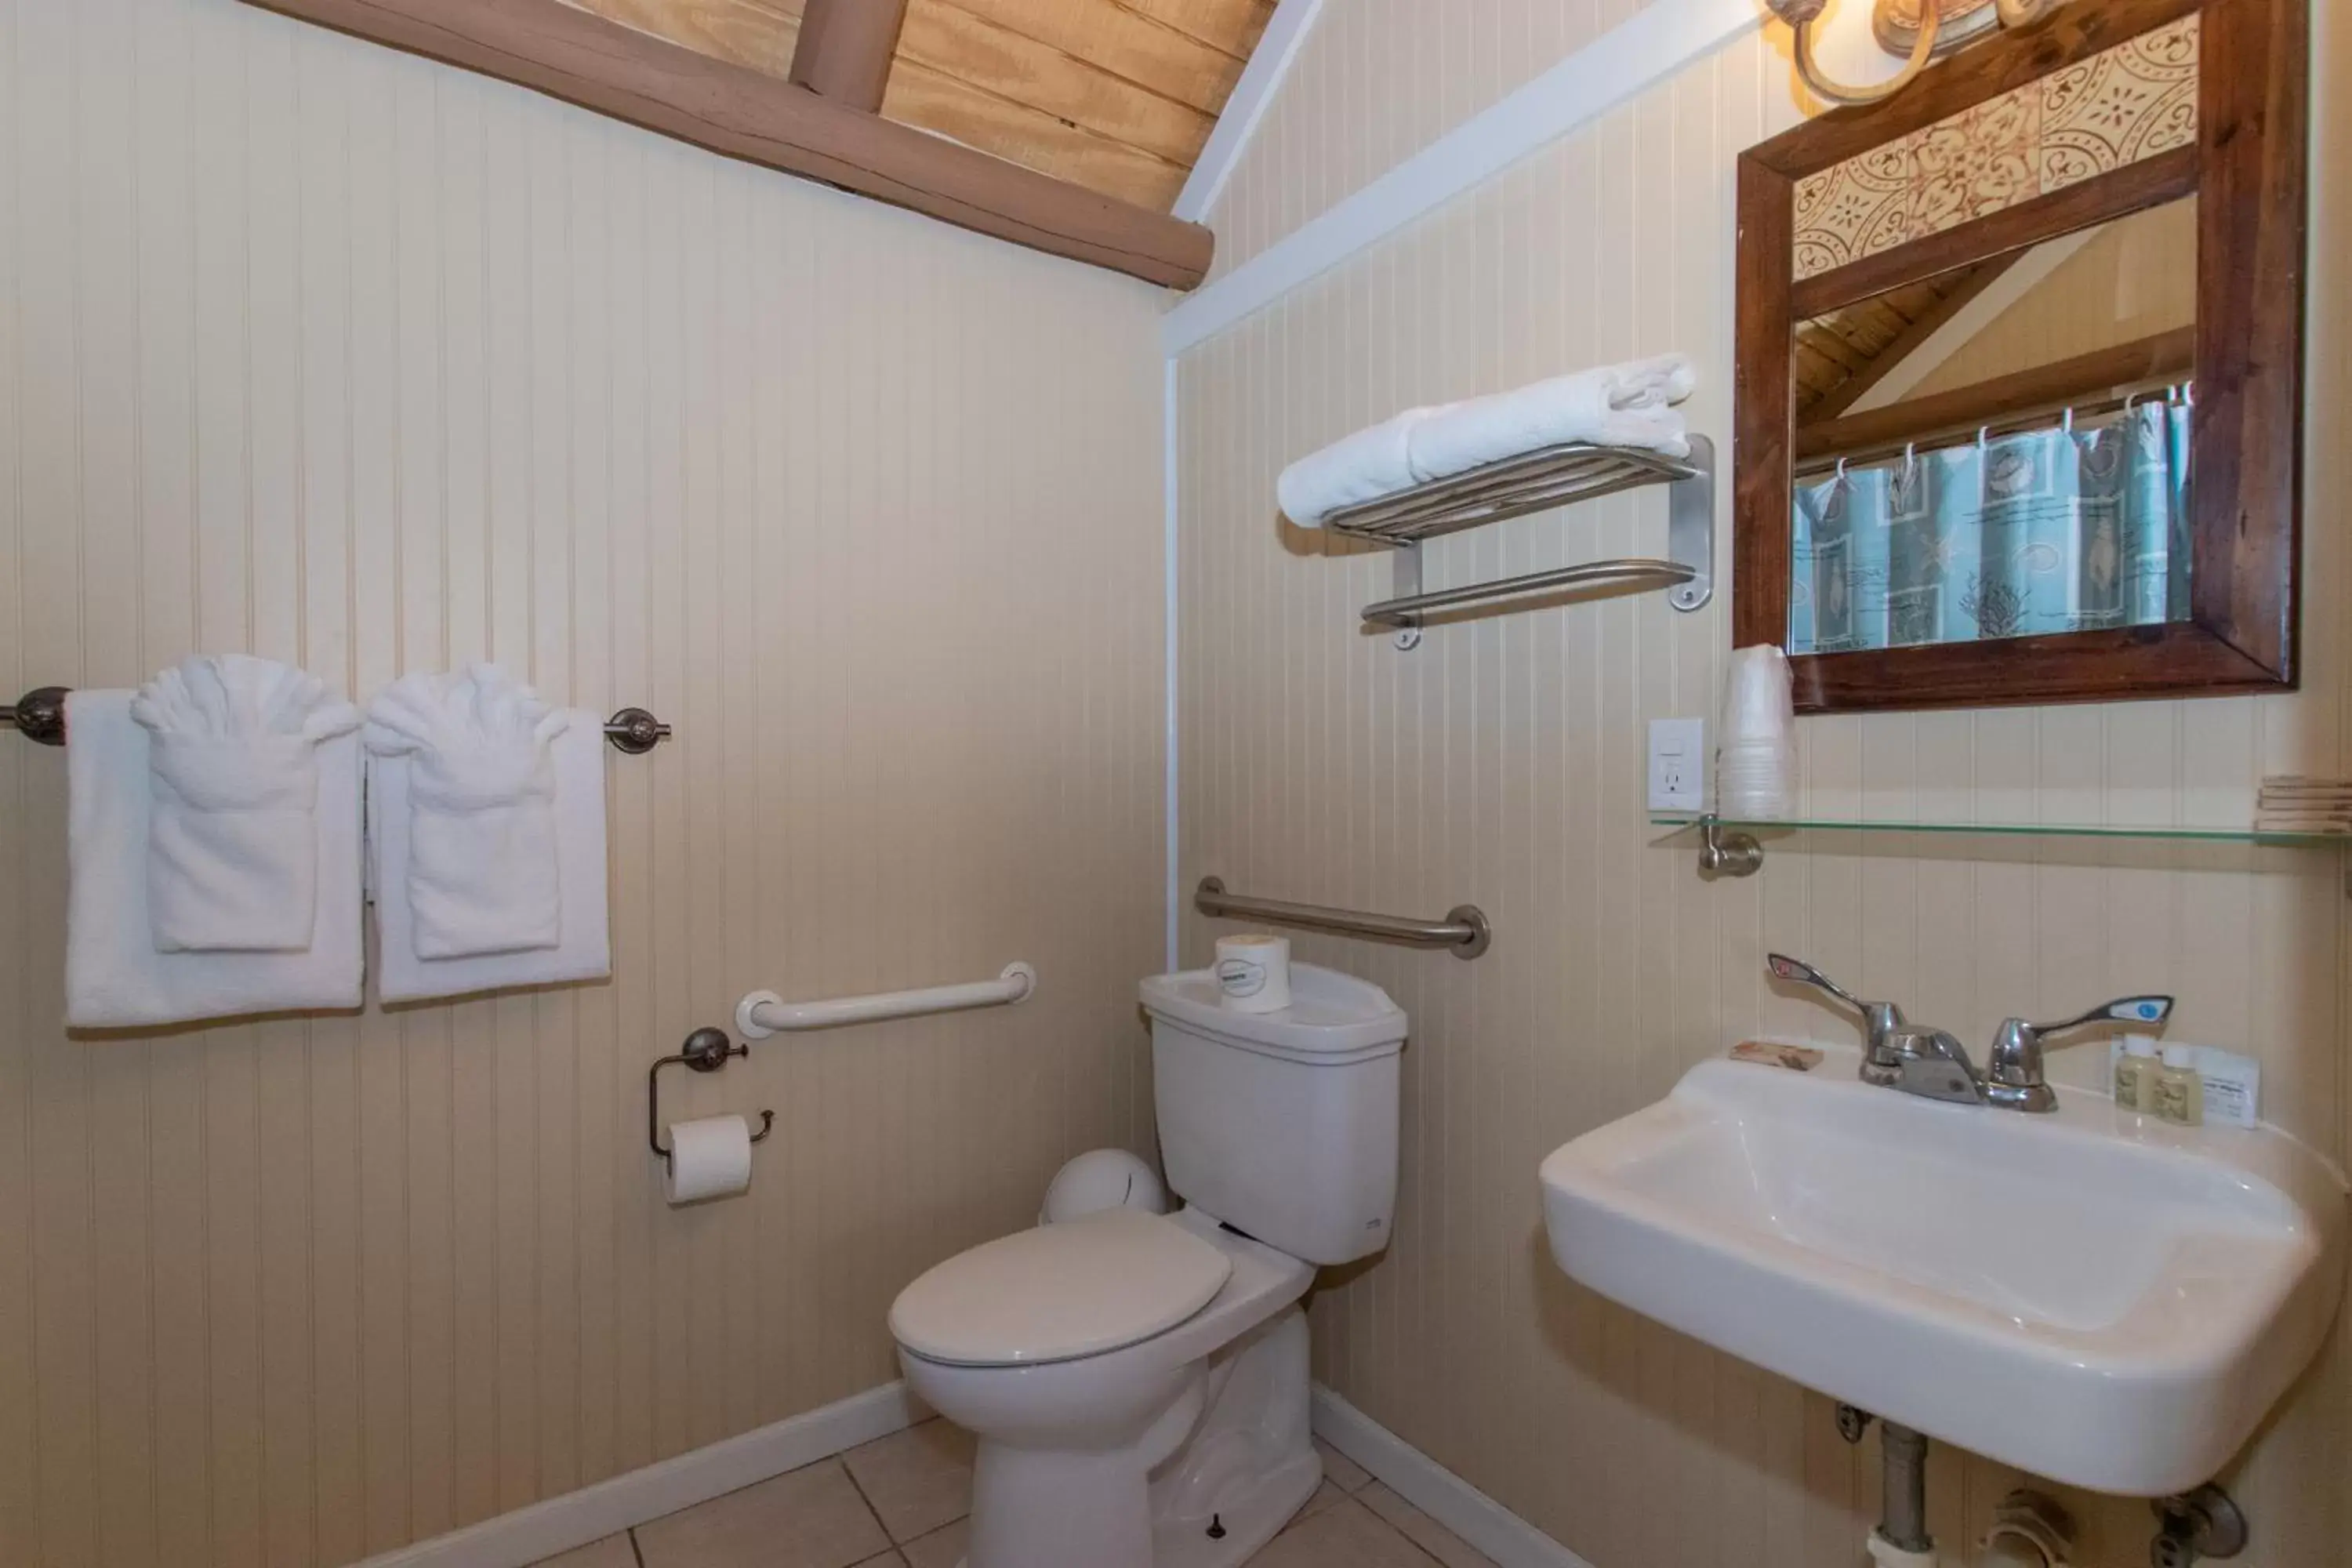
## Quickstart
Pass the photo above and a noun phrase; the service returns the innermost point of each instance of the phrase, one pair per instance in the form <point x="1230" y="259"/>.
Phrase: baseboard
<point x="545" y="1529"/>
<point x="1437" y="1491"/>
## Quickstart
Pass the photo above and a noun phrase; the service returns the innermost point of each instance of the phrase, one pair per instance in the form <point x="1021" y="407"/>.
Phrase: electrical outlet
<point x="1678" y="764"/>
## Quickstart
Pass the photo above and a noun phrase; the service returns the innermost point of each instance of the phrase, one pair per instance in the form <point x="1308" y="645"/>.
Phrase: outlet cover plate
<point x="1678" y="764"/>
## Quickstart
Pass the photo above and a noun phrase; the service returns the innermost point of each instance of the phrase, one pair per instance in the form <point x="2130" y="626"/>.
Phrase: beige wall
<point x="1374" y="82"/>
<point x="316" y="349"/>
<point x="1501" y="763"/>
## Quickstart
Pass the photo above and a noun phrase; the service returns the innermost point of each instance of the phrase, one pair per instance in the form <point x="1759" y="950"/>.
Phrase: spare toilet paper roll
<point x="1254" y="972"/>
<point x="710" y="1158"/>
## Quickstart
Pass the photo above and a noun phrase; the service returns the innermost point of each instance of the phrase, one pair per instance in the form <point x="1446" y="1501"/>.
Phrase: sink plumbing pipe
<point x="1901" y="1539"/>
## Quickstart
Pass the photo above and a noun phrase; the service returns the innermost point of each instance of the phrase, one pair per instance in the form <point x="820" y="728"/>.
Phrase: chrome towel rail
<point x="1463" y="930"/>
<point x="763" y="1013"/>
<point x="1537" y="482"/>
<point x="40" y="717"/>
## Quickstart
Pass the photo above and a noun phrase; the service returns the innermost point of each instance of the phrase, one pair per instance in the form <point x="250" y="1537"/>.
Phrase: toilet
<point x="1137" y="1382"/>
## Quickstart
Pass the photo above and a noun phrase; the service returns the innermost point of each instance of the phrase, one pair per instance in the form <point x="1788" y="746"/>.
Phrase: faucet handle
<point x="2150" y="1010"/>
<point x="1880" y="1019"/>
<point x="1803" y="973"/>
<point x="2013" y="1072"/>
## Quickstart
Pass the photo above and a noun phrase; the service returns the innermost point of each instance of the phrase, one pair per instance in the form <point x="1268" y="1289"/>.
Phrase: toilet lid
<point x="1060" y="1291"/>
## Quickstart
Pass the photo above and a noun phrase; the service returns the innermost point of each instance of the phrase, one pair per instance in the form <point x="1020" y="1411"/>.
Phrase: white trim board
<point x="1437" y="1491"/>
<point x="1238" y="123"/>
<point x="1655" y="44"/>
<point x="545" y="1529"/>
<point x="1172" y="497"/>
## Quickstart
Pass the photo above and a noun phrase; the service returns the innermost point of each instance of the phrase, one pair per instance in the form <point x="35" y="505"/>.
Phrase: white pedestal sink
<point x="2091" y="1295"/>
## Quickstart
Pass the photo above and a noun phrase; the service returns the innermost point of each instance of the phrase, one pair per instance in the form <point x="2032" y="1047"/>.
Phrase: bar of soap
<point x="1772" y="1054"/>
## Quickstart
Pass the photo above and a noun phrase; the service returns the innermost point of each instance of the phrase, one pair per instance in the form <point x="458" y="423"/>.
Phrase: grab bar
<point x="1463" y="929"/>
<point x="763" y="1013"/>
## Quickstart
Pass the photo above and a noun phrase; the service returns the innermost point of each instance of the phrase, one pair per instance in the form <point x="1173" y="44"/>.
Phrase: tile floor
<point x="900" y="1503"/>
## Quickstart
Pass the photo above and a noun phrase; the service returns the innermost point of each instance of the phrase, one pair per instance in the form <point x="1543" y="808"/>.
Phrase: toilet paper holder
<point x="705" y="1050"/>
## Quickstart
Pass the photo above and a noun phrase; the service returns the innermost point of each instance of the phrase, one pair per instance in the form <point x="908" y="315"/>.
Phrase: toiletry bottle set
<point x="2163" y="1083"/>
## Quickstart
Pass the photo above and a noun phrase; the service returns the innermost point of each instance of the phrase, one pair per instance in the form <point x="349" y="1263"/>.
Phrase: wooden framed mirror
<point x="2019" y="384"/>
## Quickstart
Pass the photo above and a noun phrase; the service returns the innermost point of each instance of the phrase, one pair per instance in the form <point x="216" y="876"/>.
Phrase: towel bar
<point x="1535" y="481"/>
<point x="40" y="716"/>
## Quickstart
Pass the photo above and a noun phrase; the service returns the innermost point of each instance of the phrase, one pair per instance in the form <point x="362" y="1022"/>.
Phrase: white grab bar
<point x="763" y="1013"/>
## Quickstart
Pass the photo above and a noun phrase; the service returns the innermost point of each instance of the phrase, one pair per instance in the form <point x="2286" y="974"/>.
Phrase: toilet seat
<point x="1060" y="1292"/>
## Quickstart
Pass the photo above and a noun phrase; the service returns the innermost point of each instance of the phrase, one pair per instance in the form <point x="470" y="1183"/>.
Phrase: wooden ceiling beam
<point x="846" y="48"/>
<point x="601" y="65"/>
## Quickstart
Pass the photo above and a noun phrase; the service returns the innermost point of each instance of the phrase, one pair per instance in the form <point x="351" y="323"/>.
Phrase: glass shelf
<point x="2011" y="829"/>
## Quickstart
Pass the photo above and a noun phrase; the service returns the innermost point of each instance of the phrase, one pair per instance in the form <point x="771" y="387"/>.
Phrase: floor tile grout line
<point x="636" y="1550"/>
<point x="860" y="1488"/>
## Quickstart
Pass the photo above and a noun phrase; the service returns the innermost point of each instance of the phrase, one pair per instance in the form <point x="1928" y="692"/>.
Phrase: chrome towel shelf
<point x="1463" y="930"/>
<point x="40" y="717"/>
<point x="1536" y="481"/>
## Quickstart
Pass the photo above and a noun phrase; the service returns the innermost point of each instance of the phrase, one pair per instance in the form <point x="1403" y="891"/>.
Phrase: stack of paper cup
<point x="1254" y="972"/>
<point x="1755" y="752"/>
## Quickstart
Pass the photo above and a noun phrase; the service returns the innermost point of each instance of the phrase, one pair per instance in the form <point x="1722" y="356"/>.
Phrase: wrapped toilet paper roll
<point x="1254" y="972"/>
<point x="710" y="1158"/>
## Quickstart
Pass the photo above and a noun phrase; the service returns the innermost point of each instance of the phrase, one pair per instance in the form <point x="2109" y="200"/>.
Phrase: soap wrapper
<point x="1774" y="1054"/>
<point x="2233" y="1084"/>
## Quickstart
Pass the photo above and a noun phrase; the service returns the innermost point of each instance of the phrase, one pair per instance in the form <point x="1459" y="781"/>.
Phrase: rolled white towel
<point x="483" y="872"/>
<point x="1615" y="405"/>
<point x="1355" y="469"/>
<point x="231" y="845"/>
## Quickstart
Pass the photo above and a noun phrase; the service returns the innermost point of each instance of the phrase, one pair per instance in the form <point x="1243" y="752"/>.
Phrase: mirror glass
<point x="2001" y="450"/>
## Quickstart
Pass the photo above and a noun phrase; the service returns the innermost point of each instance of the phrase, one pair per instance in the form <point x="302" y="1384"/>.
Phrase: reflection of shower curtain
<point x="2052" y="531"/>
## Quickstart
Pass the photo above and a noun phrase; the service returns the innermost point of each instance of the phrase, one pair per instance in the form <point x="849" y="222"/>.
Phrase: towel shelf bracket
<point x="1556" y="476"/>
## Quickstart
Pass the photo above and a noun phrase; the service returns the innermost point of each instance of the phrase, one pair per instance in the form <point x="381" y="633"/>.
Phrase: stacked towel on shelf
<point x="485" y="819"/>
<point x="1628" y="405"/>
<point x="214" y="847"/>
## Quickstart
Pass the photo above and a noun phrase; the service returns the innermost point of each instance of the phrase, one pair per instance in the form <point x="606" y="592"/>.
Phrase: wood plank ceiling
<point x="1116" y="96"/>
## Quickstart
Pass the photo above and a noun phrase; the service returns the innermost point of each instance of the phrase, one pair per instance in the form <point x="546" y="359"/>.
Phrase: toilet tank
<point x="1284" y="1125"/>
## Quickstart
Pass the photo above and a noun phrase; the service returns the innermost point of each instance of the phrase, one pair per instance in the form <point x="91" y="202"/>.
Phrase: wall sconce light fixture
<point x="1929" y="29"/>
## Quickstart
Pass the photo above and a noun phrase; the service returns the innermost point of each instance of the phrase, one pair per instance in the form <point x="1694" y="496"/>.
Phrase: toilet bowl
<point x="1137" y="1384"/>
<point x="1103" y="1443"/>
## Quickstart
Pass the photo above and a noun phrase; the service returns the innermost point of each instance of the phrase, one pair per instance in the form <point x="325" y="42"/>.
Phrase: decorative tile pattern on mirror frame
<point x="2113" y="109"/>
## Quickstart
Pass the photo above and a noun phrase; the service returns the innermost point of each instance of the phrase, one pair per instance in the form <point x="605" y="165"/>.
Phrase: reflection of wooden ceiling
<point x="1842" y="356"/>
<point x="1114" y="95"/>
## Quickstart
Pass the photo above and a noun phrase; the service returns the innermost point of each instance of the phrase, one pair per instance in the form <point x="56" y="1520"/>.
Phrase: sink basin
<point x="2094" y="1297"/>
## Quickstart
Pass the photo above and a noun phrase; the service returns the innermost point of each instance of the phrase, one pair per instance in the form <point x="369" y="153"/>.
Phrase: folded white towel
<point x="115" y="978"/>
<point x="1355" y="469"/>
<point x="232" y="850"/>
<point x="482" y="870"/>
<point x="1617" y="405"/>
<point x="584" y="952"/>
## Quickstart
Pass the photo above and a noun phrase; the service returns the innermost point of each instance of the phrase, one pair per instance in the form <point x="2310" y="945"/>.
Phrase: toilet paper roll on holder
<point x="705" y="1050"/>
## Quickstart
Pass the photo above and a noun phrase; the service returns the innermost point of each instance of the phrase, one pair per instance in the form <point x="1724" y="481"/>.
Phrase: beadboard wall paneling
<point x="1375" y="82"/>
<point x="1501" y="763"/>
<point x="323" y="351"/>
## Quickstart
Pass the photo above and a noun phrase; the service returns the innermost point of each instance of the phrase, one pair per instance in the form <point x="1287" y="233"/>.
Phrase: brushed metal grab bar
<point x="1464" y="931"/>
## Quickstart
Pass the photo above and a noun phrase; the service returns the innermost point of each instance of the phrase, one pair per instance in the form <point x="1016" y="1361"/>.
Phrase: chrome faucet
<point x="1899" y="1054"/>
<point x="2013" y="1078"/>
<point x="1881" y="1020"/>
